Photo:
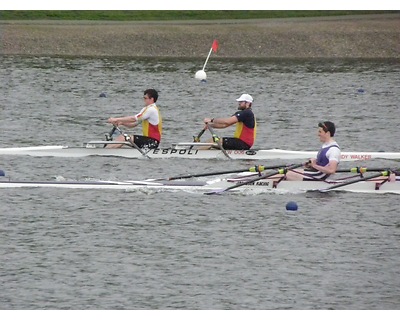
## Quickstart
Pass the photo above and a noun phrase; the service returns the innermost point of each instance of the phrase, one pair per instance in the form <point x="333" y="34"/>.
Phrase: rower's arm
<point x="223" y="122"/>
<point x="330" y="168"/>
<point x="129" y="121"/>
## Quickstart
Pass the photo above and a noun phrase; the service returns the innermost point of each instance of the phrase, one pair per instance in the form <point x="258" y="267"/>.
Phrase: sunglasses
<point x="323" y="126"/>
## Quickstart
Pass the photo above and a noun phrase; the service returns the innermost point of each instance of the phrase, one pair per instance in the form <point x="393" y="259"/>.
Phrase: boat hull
<point x="186" y="153"/>
<point x="265" y="185"/>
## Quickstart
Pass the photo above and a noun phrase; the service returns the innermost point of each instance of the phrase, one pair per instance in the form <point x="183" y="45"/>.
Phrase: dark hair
<point x="328" y="126"/>
<point x="151" y="93"/>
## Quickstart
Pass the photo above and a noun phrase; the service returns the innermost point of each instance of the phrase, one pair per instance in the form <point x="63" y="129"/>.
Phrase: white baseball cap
<point x="245" y="97"/>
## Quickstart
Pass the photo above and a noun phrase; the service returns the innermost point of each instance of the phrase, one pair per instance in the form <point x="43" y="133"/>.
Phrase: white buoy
<point x="201" y="75"/>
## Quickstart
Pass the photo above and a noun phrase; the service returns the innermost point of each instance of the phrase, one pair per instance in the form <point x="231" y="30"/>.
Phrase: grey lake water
<point x="102" y="249"/>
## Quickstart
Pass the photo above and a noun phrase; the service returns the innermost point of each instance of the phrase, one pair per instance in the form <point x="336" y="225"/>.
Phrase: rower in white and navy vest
<point x="327" y="159"/>
<point x="328" y="156"/>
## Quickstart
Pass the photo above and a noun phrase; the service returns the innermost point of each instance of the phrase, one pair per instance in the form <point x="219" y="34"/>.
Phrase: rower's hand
<point x="114" y="121"/>
<point x="312" y="163"/>
<point x="207" y="120"/>
<point x="308" y="164"/>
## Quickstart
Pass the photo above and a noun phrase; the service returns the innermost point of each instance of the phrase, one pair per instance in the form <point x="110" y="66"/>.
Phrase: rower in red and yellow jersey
<point x="246" y="125"/>
<point x="151" y="120"/>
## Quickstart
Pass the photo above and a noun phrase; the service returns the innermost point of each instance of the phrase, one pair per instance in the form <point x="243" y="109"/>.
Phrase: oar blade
<point x="239" y="184"/>
<point x="215" y="192"/>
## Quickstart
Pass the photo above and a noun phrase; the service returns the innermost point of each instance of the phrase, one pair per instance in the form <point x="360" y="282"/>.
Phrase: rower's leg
<point x="206" y="147"/>
<point x="294" y="176"/>
<point x="290" y="176"/>
<point x="115" y="146"/>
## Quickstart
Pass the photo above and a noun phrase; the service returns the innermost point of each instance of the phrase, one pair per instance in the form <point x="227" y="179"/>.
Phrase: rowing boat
<point x="184" y="151"/>
<point x="376" y="185"/>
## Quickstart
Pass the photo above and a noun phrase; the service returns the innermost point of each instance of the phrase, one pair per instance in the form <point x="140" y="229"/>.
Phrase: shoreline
<point x="363" y="36"/>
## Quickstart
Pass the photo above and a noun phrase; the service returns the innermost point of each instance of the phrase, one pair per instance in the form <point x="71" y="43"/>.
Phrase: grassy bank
<point x="149" y="15"/>
<point x="349" y="36"/>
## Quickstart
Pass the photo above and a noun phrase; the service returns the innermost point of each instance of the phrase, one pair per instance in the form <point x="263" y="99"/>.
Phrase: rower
<point x="327" y="159"/>
<point x="246" y="125"/>
<point x="152" y="124"/>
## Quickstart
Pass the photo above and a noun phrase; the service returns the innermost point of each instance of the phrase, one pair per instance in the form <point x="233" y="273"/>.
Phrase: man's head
<point x="326" y="128"/>
<point x="245" y="101"/>
<point x="150" y="95"/>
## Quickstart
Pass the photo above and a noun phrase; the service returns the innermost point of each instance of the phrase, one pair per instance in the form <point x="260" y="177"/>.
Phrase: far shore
<point x="364" y="36"/>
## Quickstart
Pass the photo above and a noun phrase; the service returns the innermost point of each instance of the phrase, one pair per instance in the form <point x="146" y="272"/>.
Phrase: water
<point x="93" y="249"/>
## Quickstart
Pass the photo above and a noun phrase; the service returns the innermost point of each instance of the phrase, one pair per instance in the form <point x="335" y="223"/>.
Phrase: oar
<point x="251" y="169"/>
<point x="197" y="138"/>
<point x="109" y="135"/>
<point x="383" y="173"/>
<point x="218" y="141"/>
<point x="132" y="143"/>
<point x="360" y="170"/>
<point x="263" y="176"/>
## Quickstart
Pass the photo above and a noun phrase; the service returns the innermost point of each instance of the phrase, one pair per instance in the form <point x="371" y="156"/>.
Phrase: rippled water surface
<point x="97" y="249"/>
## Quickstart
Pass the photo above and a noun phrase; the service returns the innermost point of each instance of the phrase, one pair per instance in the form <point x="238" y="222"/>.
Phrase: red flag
<point x="215" y="45"/>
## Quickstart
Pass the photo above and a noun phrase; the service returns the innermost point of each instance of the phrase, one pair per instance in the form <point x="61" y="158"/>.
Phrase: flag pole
<point x="201" y="74"/>
<point x="209" y="54"/>
<point x="214" y="48"/>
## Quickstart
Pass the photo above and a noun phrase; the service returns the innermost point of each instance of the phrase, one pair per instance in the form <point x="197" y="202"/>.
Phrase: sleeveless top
<point x="246" y="127"/>
<point x="322" y="157"/>
<point x="151" y="121"/>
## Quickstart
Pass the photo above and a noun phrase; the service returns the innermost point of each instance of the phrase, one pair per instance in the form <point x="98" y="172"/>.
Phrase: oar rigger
<point x="259" y="177"/>
<point x="378" y="184"/>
